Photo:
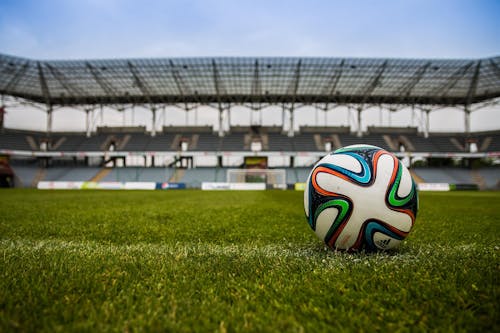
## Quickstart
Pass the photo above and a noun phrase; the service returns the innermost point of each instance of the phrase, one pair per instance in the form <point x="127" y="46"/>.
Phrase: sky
<point x="96" y="29"/>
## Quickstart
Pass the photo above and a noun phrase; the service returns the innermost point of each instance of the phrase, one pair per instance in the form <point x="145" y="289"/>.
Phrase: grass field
<point x="238" y="261"/>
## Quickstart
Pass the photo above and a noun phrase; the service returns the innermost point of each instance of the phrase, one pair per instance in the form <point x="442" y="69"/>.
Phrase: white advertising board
<point x="58" y="185"/>
<point x="433" y="187"/>
<point x="233" y="186"/>
<point x="140" y="186"/>
<point x="210" y="186"/>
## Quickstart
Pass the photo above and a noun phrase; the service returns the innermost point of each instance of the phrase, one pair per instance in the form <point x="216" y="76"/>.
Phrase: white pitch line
<point x="185" y="250"/>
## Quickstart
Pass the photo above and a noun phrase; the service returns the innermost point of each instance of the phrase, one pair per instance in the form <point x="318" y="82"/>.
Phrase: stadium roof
<point x="251" y="80"/>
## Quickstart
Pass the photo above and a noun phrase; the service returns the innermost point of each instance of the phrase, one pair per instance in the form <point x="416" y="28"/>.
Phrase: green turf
<point x="237" y="261"/>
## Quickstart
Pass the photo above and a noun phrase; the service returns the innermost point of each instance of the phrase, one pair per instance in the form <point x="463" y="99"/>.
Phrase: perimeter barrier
<point x="61" y="185"/>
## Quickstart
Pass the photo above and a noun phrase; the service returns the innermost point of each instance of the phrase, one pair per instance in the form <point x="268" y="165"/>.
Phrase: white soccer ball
<point x="360" y="197"/>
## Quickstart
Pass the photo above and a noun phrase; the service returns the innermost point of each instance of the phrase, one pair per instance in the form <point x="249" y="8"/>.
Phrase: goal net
<point x="274" y="178"/>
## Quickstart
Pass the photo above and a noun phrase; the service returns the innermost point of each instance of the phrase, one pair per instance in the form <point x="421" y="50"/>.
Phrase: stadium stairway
<point x="491" y="177"/>
<point x="336" y="141"/>
<point x="457" y="144"/>
<point x="416" y="177"/>
<point x="100" y="174"/>
<point x="24" y="175"/>
<point x="220" y="174"/>
<point x="193" y="144"/>
<point x="390" y="143"/>
<point x="39" y="176"/>
<point x="124" y="141"/>
<point x="177" y="175"/>
<point x="32" y="142"/>
<point x="318" y="141"/>
<point x="479" y="180"/>
<point x="486" y="143"/>
<point x="406" y="142"/>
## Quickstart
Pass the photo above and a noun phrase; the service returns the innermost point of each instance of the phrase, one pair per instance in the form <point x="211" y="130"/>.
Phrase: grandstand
<point x="76" y="157"/>
<point x="194" y="154"/>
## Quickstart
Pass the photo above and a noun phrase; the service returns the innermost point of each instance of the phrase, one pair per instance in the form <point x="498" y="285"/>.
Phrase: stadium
<point x="227" y="157"/>
<point x="188" y="156"/>
<point x="158" y="175"/>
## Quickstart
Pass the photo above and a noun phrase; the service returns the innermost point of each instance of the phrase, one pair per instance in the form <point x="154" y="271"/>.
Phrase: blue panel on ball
<point x="363" y="177"/>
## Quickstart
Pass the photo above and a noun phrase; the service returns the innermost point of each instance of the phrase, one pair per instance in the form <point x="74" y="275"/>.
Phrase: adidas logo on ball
<point x="383" y="243"/>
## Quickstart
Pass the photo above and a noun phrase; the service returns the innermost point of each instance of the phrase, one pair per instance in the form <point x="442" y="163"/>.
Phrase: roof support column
<point x="283" y="118"/>
<point x="389" y="118"/>
<point x="467" y="119"/>
<point x="349" y="116"/>
<point x="291" y="121"/>
<point x="49" y="119"/>
<point x="87" y="122"/>
<point x="124" y="119"/>
<point x="2" y="113"/>
<point x="412" y="115"/>
<point x="360" y="129"/>
<point x="427" y="123"/>
<point x="153" y="121"/>
<point x="101" y="115"/>
<point x="470" y="96"/>
<point x="219" y="89"/>
<point x="221" y="121"/>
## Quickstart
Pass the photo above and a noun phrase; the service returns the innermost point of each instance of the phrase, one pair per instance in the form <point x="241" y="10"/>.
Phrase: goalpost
<point x="273" y="178"/>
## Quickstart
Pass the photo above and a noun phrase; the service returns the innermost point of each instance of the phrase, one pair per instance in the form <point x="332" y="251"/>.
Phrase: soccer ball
<point x="360" y="197"/>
